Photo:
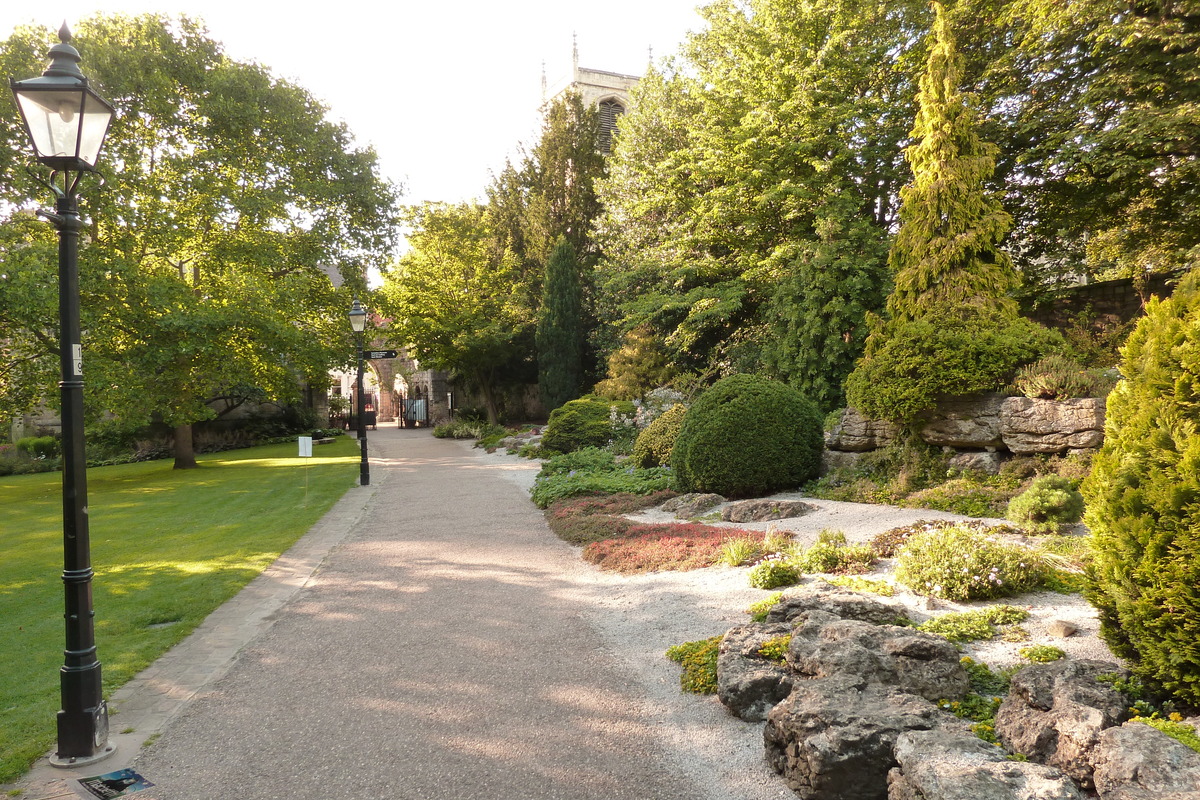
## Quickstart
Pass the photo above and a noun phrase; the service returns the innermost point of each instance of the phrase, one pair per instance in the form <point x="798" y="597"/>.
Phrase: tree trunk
<point x="185" y="451"/>
<point x="488" y="391"/>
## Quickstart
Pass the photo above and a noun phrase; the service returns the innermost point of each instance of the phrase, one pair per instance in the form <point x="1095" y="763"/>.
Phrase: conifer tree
<point x="560" y="329"/>
<point x="946" y="257"/>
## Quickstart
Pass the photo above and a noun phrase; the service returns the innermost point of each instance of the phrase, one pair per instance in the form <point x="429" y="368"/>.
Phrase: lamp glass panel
<point x="92" y="130"/>
<point x="53" y="120"/>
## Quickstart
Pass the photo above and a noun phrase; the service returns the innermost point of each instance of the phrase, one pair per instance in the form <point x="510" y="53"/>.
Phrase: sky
<point x="443" y="90"/>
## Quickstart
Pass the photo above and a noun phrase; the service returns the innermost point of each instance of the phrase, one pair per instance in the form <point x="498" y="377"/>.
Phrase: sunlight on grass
<point x="168" y="547"/>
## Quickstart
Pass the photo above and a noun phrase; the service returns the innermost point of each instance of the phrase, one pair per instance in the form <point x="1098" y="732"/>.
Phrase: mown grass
<point x="168" y="547"/>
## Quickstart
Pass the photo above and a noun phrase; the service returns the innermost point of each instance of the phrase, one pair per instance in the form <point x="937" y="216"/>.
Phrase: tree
<point x="560" y="329"/>
<point x="227" y="190"/>
<point x="946" y="259"/>
<point x="751" y="156"/>
<point x="456" y="302"/>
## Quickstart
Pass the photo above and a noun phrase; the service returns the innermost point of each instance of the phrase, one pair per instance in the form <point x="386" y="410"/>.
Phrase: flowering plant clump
<point x="699" y="662"/>
<point x="958" y="563"/>
<point x="654" y="404"/>
<point x="774" y="571"/>
<point x="776" y="648"/>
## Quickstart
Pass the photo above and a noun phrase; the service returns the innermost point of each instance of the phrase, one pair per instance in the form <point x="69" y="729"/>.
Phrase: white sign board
<point x="305" y="446"/>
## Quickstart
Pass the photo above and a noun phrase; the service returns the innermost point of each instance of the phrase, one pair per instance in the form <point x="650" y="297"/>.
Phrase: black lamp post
<point x="358" y="321"/>
<point x="67" y="123"/>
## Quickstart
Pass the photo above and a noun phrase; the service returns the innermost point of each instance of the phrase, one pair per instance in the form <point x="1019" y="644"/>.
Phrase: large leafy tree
<point x="946" y="259"/>
<point x="748" y="162"/>
<point x="226" y="191"/>
<point x="456" y="301"/>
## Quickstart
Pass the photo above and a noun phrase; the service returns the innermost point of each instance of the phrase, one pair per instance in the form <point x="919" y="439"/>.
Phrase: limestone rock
<point x="764" y="510"/>
<point x="833" y="738"/>
<point x="976" y="461"/>
<point x="855" y="433"/>
<point x="972" y="422"/>
<point x="748" y="684"/>
<point x="1061" y="628"/>
<point x="1030" y="426"/>
<point x="836" y="601"/>
<point x="915" y="662"/>
<point x="941" y="765"/>
<point x="1137" y="762"/>
<point x="832" y="460"/>
<point x="686" y="506"/>
<point x="1055" y="713"/>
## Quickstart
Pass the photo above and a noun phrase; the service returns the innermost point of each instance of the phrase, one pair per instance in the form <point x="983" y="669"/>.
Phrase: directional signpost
<point x="372" y="354"/>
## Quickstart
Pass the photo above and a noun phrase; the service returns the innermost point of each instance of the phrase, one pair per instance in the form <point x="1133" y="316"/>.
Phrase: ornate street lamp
<point x="67" y="123"/>
<point x="358" y="321"/>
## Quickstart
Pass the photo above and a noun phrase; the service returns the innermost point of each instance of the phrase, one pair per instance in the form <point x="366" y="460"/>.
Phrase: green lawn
<point x="167" y="547"/>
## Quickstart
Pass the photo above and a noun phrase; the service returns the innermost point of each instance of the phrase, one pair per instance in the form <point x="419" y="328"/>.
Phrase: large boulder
<point x="1055" y="713"/>
<point x="918" y="663"/>
<point x="1137" y="762"/>
<point x="834" y="738"/>
<point x="945" y="765"/>
<point x="748" y="684"/>
<point x="692" y="504"/>
<point x="855" y="433"/>
<point x="1029" y="426"/>
<point x="766" y="510"/>
<point x="836" y="601"/>
<point x="972" y="422"/>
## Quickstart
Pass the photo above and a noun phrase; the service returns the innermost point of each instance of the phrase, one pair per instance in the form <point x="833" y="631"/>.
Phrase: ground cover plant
<point x="969" y="626"/>
<point x="699" y="662"/>
<point x="594" y="470"/>
<point x="958" y="563"/>
<point x="661" y="546"/>
<point x="168" y="547"/>
<point x="580" y="520"/>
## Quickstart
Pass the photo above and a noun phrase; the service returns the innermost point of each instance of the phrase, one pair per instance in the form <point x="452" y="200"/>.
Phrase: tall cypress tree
<point x="946" y="257"/>
<point x="560" y="328"/>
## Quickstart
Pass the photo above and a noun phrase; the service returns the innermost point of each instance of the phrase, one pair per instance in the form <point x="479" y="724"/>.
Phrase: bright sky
<point x="444" y="90"/>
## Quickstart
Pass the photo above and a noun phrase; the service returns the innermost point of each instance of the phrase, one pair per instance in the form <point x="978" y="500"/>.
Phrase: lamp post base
<point x="82" y="761"/>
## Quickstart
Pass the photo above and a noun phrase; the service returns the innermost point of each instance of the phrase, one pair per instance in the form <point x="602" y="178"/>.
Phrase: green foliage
<point x="39" y="446"/>
<point x="699" y="662"/>
<point x="748" y="436"/>
<point x="457" y="302"/>
<point x="967" y="626"/>
<point x="858" y="583"/>
<point x="946" y="258"/>
<point x="560" y="329"/>
<point x="1042" y="653"/>
<point x="468" y="429"/>
<point x="586" y="422"/>
<point x="774" y="571"/>
<point x="909" y="364"/>
<point x="776" y="648"/>
<point x="983" y="680"/>
<point x="958" y="563"/>
<point x="1048" y="503"/>
<point x="654" y="444"/>
<point x="1143" y="500"/>
<point x="740" y="550"/>
<point x="1057" y="377"/>
<point x="758" y="611"/>
<point x="832" y="555"/>
<point x="550" y="487"/>
<point x="972" y="495"/>
<point x="639" y="365"/>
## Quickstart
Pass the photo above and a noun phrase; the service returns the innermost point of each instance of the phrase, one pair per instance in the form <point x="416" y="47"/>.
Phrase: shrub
<point x="38" y="446"/>
<point x="748" y="436"/>
<point x="957" y="563"/>
<point x="777" y="570"/>
<point x="1057" y="377"/>
<point x="1049" y="502"/>
<point x="908" y="365"/>
<point x="699" y="662"/>
<point x="1143" y="497"/>
<point x="832" y="555"/>
<point x="654" y="444"/>
<point x="585" y="422"/>
<point x="968" y="626"/>
<point x="1042" y="653"/>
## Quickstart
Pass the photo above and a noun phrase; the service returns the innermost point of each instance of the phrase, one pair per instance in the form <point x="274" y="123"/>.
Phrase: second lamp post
<point x="358" y="321"/>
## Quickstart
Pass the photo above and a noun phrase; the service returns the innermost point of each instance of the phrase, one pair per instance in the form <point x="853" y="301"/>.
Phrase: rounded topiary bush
<point x="1143" y="499"/>
<point x="748" y="436"/>
<point x="1050" y="501"/>
<point x="654" y="444"/>
<point x="586" y="422"/>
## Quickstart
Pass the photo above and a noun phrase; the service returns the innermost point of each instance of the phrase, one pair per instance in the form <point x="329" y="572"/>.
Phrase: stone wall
<point x="982" y="429"/>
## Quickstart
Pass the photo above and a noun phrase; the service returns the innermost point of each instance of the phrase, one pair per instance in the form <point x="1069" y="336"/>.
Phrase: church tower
<point x="605" y="91"/>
